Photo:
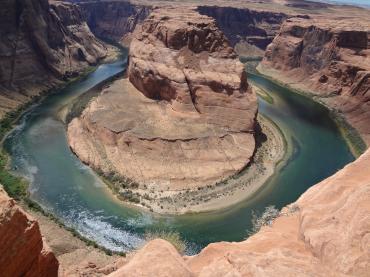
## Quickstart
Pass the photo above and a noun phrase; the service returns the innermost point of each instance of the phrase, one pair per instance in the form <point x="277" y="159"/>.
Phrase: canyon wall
<point x="329" y="58"/>
<point x="187" y="117"/>
<point x="115" y="20"/>
<point x="23" y="252"/>
<point x="41" y="44"/>
<point x="249" y="31"/>
<point x="326" y="232"/>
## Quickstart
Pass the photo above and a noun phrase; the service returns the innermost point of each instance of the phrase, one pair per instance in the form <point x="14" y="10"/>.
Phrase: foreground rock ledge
<point x="23" y="252"/>
<point x="325" y="233"/>
<point x="185" y="120"/>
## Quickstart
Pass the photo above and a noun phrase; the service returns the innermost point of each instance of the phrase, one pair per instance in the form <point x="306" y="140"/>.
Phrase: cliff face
<point x="41" y="44"/>
<point x="324" y="233"/>
<point x="114" y="20"/>
<point x="249" y="31"/>
<point x="330" y="58"/>
<point x="23" y="252"/>
<point x="187" y="117"/>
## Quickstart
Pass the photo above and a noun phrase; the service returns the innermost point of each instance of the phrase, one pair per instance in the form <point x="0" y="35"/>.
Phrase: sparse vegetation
<point x="264" y="219"/>
<point x="173" y="237"/>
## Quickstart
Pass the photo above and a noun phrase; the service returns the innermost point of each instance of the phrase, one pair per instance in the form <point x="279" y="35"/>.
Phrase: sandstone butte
<point x="326" y="232"/>
<point x="23" y="252"/>
<point x="328" y="57"/>
<point x="185" y="118"/>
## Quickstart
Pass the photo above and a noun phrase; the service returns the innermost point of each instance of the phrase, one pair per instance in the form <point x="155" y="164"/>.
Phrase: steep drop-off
<point x="184" y="121"/>
<point x="326" y="232"/>
<point x="249" y="31"/>
<point x="115" y="20"/>
<point x="329" y="58"/>
<point x="23" y="252"/>
<point x="41" y="44"/>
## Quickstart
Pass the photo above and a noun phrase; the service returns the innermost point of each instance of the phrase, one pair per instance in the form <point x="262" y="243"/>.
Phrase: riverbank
<point x="18" y="187"/>
<point x="352" y="137"/>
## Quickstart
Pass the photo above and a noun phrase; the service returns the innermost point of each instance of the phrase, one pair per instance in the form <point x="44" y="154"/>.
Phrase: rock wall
<point x="40" y="45"/>
<point x="249" y="31"/>
<point x="23" y="252"/>
<point x="115" y="20"/>
<point x="326" y="232"/>
<point x="187" y="117"/>
<point x="329" y="58"/>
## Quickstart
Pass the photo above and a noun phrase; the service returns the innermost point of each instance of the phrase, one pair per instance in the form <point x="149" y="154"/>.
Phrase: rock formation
<point x="326" y="232"/>
<point x="331" y="59"/>
<point x="114" y="20"/>
<point x="40" y="45"/>
<point x="186" y="118"/>
<point x="23" y="252"/>
<point x="249" y="31"/>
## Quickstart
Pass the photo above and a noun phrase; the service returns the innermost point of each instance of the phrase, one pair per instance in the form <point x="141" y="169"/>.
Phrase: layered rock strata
<point x="115" y="20"/>
<point x="186" y="118"/>
<point x="249" y="31"/>
<point x="329" y="58"/>
<point x="326" y="232"/>
<point x="23" y="252"/>
<point x="41" y="44"/>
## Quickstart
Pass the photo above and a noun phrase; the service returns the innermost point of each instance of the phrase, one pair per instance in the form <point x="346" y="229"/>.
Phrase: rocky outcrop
<point x="115" y="20"/>
<point x="186" y="118"/>
<point x="23" y="252"/>
<point x="249" y="31"/>
<point x="329" y="58"/>
<point x="326" y="232"/>
<point x="41" y="44"/>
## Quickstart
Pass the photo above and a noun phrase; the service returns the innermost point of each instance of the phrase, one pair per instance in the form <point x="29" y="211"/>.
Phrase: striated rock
<point x="40" y="45"/>
<point x="328" y="57"/>
<point x="326" y="232"/>
<point x="115" y="20"/>
<point x="249" y="31"/>
<point x="186" y="118"/>
<point x="23" y="252"/>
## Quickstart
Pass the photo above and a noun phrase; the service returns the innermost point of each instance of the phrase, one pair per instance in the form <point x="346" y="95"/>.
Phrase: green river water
<point x="72" y="192"/>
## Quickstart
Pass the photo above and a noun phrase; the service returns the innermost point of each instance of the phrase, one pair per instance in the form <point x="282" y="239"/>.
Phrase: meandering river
<point x="70" y="190"/>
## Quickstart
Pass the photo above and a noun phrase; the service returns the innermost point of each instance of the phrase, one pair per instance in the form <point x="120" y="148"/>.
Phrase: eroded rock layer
<point x="249" y="31"/>
<point x="326" y="232"/>
<point x="40" y="45"/>
<point x="23" y="252"/>
<point x="186" y="118"/>
<point x="328" y="57"/>
<point x="114" y="20"/>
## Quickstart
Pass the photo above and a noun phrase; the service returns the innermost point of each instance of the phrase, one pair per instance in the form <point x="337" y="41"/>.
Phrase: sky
<point x="365" y="3"/>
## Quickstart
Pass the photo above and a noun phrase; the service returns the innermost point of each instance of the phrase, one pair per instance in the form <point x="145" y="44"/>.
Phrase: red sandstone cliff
<point x="23" y="252"/>
<point x="329" y="58"/>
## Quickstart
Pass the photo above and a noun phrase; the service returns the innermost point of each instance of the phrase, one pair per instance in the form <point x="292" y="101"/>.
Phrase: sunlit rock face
<point x="185" y="118"/>
<point x="23" y="252"/>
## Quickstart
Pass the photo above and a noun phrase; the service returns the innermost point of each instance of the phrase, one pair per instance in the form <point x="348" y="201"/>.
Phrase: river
<point x="71" y="191"/>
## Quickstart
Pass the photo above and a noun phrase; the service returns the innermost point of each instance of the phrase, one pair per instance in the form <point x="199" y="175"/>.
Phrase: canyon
<point x="323" y="54"/>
